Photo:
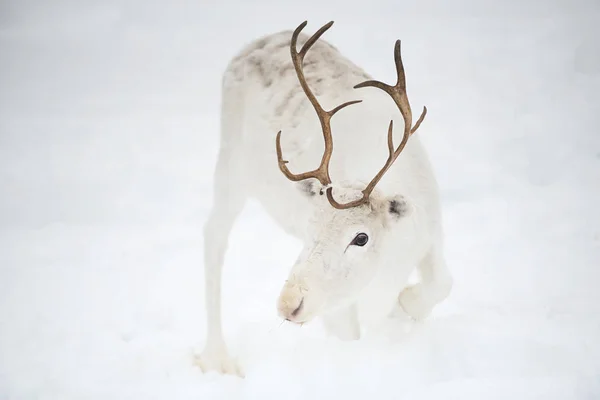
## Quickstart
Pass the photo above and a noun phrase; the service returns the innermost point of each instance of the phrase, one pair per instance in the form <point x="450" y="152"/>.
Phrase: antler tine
<point x="298" y="59"/>
<point x="322" y="172"/>
<point x="398" y="94"/>
<point x="312" y="40"/>
<point x="288" y="174"/>
<point x="367" y="191"/>
<point x="398" y="91"/>
<point x="399" y="65"/>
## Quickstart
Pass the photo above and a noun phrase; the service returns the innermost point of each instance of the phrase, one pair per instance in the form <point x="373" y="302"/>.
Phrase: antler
<point x="322" y="172"/>
<point x="398" y="94"/>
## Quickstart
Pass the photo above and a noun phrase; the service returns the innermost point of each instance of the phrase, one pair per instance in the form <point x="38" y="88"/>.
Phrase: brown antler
<point x="322" y="172"/>
<point x="398" y="94"/>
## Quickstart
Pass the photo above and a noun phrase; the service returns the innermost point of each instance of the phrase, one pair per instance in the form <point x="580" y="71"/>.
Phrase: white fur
<point x="260" y="96"/>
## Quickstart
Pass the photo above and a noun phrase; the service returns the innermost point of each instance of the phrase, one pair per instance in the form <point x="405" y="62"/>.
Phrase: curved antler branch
<point x="398" y="94"/>
<point x="288" y="174"/>
<point x="367" y="191"/>
<point x="322" y="172"/>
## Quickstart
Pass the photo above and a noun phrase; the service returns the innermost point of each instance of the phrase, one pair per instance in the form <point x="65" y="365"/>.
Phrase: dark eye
<point x="360" y="240"/>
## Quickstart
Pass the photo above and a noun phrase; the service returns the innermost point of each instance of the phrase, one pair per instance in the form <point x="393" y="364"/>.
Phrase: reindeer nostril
<point x="298" y="309"/>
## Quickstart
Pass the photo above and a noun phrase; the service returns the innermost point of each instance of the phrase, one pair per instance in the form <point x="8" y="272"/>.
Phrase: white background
<point x="108" y="136"/>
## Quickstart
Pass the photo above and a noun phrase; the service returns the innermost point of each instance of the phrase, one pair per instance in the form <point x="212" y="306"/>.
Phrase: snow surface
<point x="108" y="136"/>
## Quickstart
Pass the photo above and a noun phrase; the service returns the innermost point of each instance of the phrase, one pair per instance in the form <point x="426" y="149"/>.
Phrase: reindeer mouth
<point x="298" y="310"/>
<point x="300" y="315"/>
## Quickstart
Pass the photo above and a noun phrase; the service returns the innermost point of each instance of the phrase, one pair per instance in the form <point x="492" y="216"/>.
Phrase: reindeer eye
<point x="360" y="240"/>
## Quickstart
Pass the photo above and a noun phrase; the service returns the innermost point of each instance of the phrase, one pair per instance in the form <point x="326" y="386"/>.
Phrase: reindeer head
<point x="351" y="230"/>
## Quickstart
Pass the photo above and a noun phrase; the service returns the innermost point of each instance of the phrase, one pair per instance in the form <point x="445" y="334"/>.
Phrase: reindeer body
<point x="261" y="95"/>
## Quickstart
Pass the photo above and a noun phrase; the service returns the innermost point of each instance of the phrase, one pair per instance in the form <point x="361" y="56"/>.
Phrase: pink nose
<point x="290" y="307"/>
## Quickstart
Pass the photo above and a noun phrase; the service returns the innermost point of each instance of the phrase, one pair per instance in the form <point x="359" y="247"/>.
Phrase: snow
<point x="108" y="137"/>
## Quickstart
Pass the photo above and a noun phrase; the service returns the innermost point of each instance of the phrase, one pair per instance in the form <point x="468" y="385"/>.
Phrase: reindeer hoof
<point x="414" y="303"/>
<point x="219" y="362"/>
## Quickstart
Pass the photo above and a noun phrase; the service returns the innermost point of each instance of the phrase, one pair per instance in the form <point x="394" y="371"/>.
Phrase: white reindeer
<point x="363" y="236"/>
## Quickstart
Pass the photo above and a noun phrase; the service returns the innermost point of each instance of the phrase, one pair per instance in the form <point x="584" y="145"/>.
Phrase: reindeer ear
<point x="311" y="187"/>
<point x="397" y="207"/>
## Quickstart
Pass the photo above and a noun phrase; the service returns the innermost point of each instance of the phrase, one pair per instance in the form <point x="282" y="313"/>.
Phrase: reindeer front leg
<point x="228" y="202"/>
<point x="436" y="283"/>
<point x="215" y="356"/>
